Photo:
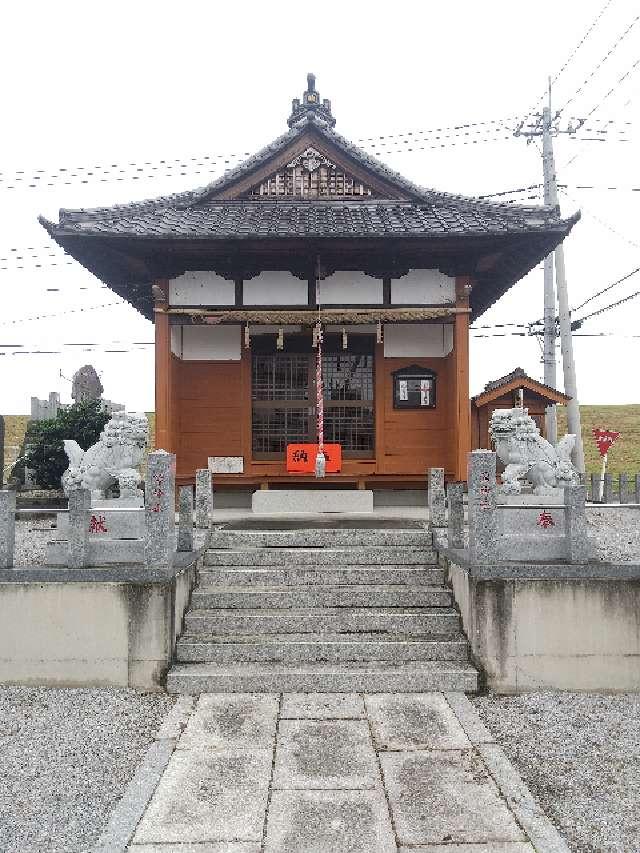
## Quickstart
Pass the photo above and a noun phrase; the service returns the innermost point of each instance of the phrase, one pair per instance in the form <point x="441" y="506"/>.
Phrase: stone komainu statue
<point x="528" y="456"/>
<point x="114" y="458"/>
<point x="86" y="385"/>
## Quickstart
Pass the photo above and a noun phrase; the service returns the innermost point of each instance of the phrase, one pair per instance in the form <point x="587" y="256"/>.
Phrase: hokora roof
<point x="128" y="246"/>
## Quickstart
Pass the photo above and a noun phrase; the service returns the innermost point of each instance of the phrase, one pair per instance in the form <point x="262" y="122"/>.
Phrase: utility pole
<point x="549" y="356"/>
<point x="564" y="314"/>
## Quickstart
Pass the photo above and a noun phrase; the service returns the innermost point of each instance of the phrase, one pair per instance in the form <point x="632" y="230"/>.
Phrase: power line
<point x="594" y="24"/>
<point x="595" y="70"/>
<point x="604" y="223"/>
<point x="62" y="313"/>
<point x="607" y="288"/>
<point x="578" y="323"/>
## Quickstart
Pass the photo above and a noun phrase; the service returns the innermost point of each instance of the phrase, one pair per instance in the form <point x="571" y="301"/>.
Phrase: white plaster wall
<point x="417" y="340"/>
<point x="350" y="288"/>
<point x="211" y="343"/>
<point x="275" y="288"/>
<point x="423" y="287"/>
<point x="200" y="287"/>
<point x="176" y="340"/>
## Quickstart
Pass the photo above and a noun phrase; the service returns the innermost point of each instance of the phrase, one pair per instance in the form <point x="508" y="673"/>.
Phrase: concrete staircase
<point x="321" y="609"/>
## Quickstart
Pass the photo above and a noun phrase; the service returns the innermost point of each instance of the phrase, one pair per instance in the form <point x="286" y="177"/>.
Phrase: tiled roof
<point x="224" y="220"/>
<point x="517" y="373"/>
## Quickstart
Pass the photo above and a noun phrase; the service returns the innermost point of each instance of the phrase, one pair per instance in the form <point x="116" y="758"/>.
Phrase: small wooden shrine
<point x="312" y="240"/>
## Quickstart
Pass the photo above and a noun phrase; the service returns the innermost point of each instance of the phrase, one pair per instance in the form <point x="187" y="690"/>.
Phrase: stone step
<point x="320" y="647"/>
<point x="346" y="677"/>
<point x="321" y="538"/>
<point x="388" y="621"/>
<point x="364" y="596"/>
<point x="314" y="575"/>
<point x="365" y="555"/>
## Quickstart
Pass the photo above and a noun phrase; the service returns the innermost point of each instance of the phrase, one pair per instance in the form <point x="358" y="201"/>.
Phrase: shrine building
<point x="312" y="243"/>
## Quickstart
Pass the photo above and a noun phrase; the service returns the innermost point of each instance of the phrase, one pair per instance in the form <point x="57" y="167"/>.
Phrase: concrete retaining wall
<point x="91" y="628"/>
<point x="551" y="627"/>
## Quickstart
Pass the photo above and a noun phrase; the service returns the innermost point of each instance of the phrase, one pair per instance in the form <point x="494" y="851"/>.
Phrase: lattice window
<point x="311" y="175"/>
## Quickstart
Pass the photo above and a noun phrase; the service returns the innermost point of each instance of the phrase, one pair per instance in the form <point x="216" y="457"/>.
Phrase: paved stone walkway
<point x="327" y="773"/>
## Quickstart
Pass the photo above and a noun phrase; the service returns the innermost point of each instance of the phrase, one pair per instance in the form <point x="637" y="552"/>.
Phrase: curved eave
<point x="128" y="264"/>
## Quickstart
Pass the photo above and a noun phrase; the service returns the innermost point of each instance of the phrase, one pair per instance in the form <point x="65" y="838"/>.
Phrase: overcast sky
<point x="133" y="84"/>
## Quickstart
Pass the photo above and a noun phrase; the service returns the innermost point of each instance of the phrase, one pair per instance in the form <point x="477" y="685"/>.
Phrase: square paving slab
<point x="407" y="721"/>
<point x="214" y="847"/>
<point x="320" y="706"/>
<point x="325" y="754"/>
<point x="239" y="721"/>
<point x="445" y="796"/>
<point x="329" y="822"/>
<point x="494" y="847"/>
<point x="207" y="796"/>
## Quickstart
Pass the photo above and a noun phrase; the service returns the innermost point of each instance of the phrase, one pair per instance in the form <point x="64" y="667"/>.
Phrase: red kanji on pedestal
<point x="604" y="439"/>
<point x="546" y="520"/>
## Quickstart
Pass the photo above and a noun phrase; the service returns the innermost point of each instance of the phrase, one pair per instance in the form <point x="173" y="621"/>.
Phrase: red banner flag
<point x="604" y="439"/>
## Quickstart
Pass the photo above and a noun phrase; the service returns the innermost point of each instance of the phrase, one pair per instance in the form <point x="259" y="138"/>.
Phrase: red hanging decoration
<point x="321" y="462"/>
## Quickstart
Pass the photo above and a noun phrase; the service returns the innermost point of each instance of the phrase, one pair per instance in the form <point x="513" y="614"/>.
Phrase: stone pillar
<point x="79" y="512"/>
<point x="623" y="496"/>
<point x="482" y="488"/>
<point x="607" y="490"/>
<point x="595" y="487"/>
<point x="455" y="499"/>
<point x="204" y="498"/>
<point x="185" y="518"/>
<point x="1" y="451"/>
<point x="160" y="509"/>
<point x="579" y="544"/>
<point x="638" y="488"/>
<point x="436" y="497"/>
<point x="7" y="528"/>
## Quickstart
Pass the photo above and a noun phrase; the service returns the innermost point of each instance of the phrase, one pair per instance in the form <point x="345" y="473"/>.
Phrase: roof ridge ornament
<point x="311" y="159"/>
<point x="311" y="107"/>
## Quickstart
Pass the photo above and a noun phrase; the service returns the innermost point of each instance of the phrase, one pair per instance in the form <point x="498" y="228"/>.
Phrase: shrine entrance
<point x="283" y="394"/>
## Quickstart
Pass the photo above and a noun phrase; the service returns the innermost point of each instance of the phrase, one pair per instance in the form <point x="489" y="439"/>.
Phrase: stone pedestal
<point x="204" y="498"/>
<point x="455" y="500"/>
<point x="580" y="546"/>
<point x="159" y="511"/>
<point x="185" y="519"/>
<point x="7" y="528"/>
<point x="482" y="489"/>
<point x="436" y="497"/>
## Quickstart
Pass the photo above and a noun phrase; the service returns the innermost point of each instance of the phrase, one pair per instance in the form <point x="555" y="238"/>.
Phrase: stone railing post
<point x="623" y="495"/>
<point x="595" y="488"/>
<point x="79" y="512"/>
<point x="455" y="500"/>
<point x="436" y="497"/>
<point x="160" y="509"/>
<point x="204" y="498"/>
<point x="607" y="489"/>
<point x="579" y="544"/>
<point x="482" y="488"/>
<point x="185" y="518"/>
<point x="1" y="451"/>
<point x="637" y="488"/>
<point x="7" y="528"/>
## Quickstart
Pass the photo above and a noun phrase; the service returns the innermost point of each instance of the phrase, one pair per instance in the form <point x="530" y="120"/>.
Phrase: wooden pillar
<point x="164" y="436"/>
<point x="379" y="403"/>
<point x="462" y="405"/>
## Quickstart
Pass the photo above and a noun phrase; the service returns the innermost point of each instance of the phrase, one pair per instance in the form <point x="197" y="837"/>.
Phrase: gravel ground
<point x="65" y="758"/>
<point x="580" y="755"/>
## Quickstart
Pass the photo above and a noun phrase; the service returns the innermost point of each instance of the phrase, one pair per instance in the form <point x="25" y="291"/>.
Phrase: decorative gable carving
<point x="311" y="175"/>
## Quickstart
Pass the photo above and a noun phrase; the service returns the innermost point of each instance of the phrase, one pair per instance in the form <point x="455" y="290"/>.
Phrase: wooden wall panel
<point x="417" y="439"/>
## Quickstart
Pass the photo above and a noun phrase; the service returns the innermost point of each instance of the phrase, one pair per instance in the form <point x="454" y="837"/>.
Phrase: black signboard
<point x="414" y="388"/>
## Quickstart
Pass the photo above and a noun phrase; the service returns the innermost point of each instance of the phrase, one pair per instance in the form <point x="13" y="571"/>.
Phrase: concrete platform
<point x="311" y="501"/>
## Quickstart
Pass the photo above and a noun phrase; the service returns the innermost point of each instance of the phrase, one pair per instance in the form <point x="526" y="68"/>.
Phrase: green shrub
<point x="45" y="455"/>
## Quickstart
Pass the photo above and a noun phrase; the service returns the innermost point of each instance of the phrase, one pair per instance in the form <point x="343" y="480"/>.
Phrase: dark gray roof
<point x="228" y="220"/>
<point x="517" y="373"/>
<point x="451" y="211"/>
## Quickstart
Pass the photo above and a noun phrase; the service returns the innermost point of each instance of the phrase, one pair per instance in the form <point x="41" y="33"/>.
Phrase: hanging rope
<point x="321" y="461"/>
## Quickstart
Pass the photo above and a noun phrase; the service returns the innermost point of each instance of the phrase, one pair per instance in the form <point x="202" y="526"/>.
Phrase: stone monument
<point x="86" y="385"/>
<point x="1" y="451"/>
